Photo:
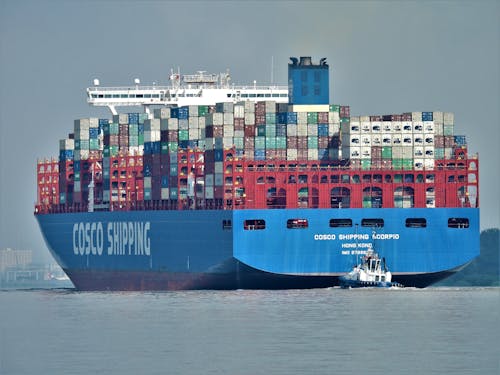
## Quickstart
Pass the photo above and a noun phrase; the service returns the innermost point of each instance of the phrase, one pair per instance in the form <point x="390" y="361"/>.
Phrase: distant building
<point x="15" y="258"/>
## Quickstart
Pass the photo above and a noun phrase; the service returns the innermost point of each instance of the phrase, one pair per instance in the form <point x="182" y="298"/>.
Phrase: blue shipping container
<point x="103" y="121"/>
<point x="133" y="118"/>
<point x="427" y="116"/>
<point x="291" y="118"/>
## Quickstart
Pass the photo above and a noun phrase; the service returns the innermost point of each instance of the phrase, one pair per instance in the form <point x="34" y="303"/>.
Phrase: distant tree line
<point x="485" y="269"/>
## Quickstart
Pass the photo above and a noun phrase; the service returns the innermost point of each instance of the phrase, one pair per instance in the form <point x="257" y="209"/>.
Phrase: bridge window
<point x="416" y="222"/>
<point x="340" y="223"/>
<point x="254" y="224"/>
<point x="458" y="222"/>
<point x="297" y="223"/>
<point x="372" y="223"/>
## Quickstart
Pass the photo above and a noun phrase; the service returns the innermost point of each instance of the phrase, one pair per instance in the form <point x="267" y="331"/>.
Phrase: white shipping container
<point x="194" y="134"/>
<point x="193" y="122"/>
<point x="438" y="117"/>
<point x="122" y="118"/>
<point x="397" y="126"/>
<point x="215" y="118"/>
<point x="302" y="129"/>
<point x="416" y="116"/>
<point x="239" y="134"/>
<point x="228" y="130"/>
<point x="376" y="127"/>
<point x="312" y="130"/>
<point x="429" y="139"/>
<point x="152" y="124"/>
<point x="397" y="152"/>
<point x="429" y="152"/>
<point x="418" y="139"/>
<point x="249" y="118"/>
<point x="418" y="152"/>
<point x="270" y="106"/>
<point x="334" y="118"/>
<point x="438" y="129"/>
<point x="249" y="108"/>
<point x="239" y="111"/>
<point x="93" y="122"/>
<point x="164" y="193"/>
<point x="356" y="119"/>
<point x="429" y="164"/>
<point x="407" y="127"/>
<point x="227" y="142"/>
<point x="135" y="150"/>
<point x="147" y="182"/>
<point x="291" y="130"/>
<point x="161" y="113"/>
<point x="418" y="164"/>
<point x="407" y="152"/>
<point x="183" y="124"/>
<point x="333" y="130"/>
<point x="201" y="122"/>
<point x="397" y="139"/>
<point x="364" y="118"/>
<point x="366" y="152"/>
<point x="448" y="118"/>
<point x="352" y="152"/>
<point x="428" y="126"/>
<point x="291" y="154"/>
<point x="376" y="140"/>
<point x="386" y="126"/>
<point x="312" y="154"/>
<point x="407" y="140"/>
<point x="83" y="123"/>
<point x="418" y="127"/>
<point x="355" y="140"/>
<point x="301" y="117"/>
<point x="77" y="186"/>
<point x="366" y="127"/>
<point x="228" y="118"/>
<point x="173" y="124"/>
<point x="82" y="154"/>
<point x="366" y="140"/>
<point x="386" y="139"/>
<point x="355" y="128"/>
<point x="309" y="108"/>
<point x="67" y="144"/>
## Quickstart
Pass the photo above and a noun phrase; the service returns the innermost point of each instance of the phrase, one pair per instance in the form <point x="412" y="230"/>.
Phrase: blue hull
<point x="164" y="250"/>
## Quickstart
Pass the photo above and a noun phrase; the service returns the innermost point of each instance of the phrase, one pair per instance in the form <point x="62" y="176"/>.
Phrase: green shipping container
<point x="281" y="143"/>
<point x="312" y="142"/>
<point x="141" y="139"/>
<point x="183" y="135"/>
<point x="345" y="119"/>
<point x="386" y="152"/>
<point x="133" y="140"/>
<point x="271" y="118"/>
<point x="260" y="143"/>
<point x="312" y="117"/>
<point x="113" y="151"/>
<point x="366" y="164"/>
<point x="133" y="129"/>
<point x="397" y="164"/>
<point x="172" y="146"/>
<point x="93" y="144"/>
<point x="261" y="130"/>
<point x="202" y="110"/>
<point x="114" y="128"/>
<point x="270" y="130"/>
<point x="407" y="164"/>
<point x="448" y="129"/>
<point x="105" y="152"/>
<point x="270" y="143"/>
<point x="334" y="108"/>
<point x="238" y="142"/>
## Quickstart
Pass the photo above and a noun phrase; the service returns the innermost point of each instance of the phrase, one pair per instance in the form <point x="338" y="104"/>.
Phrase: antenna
<point x="272" y="70"/>
<point x="96" y="82"/>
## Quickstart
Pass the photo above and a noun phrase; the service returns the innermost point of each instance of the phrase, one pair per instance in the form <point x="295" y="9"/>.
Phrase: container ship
<point x="217" y="186"/>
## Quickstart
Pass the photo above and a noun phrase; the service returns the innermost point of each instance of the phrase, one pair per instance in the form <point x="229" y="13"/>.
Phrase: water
<point x="324" y="331"/>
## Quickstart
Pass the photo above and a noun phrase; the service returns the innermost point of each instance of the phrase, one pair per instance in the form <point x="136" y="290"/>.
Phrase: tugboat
<point x="372" y="272"/>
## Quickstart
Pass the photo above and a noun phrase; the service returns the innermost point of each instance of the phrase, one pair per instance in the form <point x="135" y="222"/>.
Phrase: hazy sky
<point x="385" y="57"/>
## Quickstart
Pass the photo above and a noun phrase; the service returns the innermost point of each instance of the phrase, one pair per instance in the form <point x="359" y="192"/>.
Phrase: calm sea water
<point x="324" y="331"/>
